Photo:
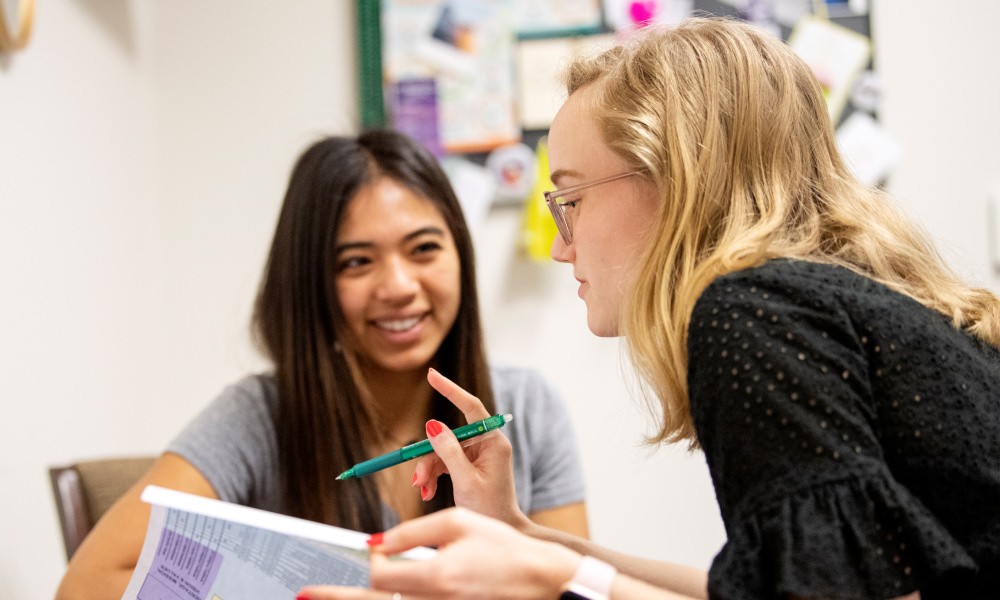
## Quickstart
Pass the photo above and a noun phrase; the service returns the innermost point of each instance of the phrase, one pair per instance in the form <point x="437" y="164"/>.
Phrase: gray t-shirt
<point x="233" y="442"/>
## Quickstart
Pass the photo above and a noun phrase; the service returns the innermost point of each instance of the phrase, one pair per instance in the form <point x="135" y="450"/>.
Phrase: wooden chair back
<point x="85" y="490"/>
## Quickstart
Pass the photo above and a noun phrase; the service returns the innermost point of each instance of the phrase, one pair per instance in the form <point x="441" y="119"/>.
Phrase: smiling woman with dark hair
<point x="370" y="282"/>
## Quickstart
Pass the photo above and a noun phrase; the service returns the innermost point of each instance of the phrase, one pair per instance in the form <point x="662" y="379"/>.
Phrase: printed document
<point x="202" y="549"/>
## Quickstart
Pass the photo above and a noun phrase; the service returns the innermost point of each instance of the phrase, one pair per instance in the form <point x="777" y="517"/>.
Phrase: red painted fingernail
<point x="424" y="492"/>
<point x="375" y="539"/>
<point x="302" y="596"/>
<point x="414" y="482"/>
<point x="433" y="428"/>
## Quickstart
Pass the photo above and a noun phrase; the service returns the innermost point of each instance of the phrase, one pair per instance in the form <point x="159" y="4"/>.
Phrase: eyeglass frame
<point x="558" y="209"/>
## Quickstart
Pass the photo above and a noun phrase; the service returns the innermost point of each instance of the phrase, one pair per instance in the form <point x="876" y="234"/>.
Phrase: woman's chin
<point x="601" y="328"/>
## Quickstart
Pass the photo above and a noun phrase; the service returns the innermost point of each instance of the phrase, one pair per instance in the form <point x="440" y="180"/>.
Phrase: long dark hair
<point x="324" y="423"/>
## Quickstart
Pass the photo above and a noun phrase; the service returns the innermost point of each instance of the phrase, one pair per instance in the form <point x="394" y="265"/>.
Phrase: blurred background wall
<point x="144" y="150"/>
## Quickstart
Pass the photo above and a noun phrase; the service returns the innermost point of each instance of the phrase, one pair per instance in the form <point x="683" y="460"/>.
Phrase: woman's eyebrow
<point x="560" y="173"/>
<point x="352" y="246"/>
<point x="437" y="231"/>
<point x="424" y="231"/>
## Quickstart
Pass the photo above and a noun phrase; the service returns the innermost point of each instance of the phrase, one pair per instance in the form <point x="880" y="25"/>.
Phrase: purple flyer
<point x="415" y="112"/>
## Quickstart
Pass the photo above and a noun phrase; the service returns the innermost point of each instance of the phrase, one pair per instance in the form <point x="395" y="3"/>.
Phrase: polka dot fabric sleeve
<point x="794" y="425"/>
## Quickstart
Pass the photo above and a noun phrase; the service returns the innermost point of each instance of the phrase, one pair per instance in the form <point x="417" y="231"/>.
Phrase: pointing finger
<point x="470" y="406"/>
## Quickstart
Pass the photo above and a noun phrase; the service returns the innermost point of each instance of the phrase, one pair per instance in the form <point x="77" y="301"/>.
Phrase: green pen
<point x="424" y="447"/>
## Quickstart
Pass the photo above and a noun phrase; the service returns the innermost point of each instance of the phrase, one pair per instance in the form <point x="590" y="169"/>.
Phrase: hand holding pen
<point x="467" y="435"/>
<point x="482" y="475"/>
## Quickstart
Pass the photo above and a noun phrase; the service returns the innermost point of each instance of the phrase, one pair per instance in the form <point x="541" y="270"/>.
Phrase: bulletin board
<point x="835" y="38"/>
<point x="467" y="77"/>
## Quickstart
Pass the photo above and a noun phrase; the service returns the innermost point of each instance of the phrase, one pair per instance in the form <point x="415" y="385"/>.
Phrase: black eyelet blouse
<point x="853" y="438"/>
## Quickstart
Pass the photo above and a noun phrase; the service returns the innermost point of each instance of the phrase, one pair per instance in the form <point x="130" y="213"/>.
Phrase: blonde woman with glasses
<point x="787" y="320"/>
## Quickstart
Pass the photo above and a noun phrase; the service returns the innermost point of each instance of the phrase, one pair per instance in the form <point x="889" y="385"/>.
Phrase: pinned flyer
<point x="867" y="148"/>
<point x="836" y="56"/>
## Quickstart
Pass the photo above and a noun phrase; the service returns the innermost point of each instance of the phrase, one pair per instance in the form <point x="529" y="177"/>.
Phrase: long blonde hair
<point x="732" y="128"/>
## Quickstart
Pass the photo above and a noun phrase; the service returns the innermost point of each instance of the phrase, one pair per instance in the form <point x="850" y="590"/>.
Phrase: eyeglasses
<point x="558" y="200"/>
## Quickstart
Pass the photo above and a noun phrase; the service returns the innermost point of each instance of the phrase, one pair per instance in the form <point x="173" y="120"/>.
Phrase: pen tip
<point x="508" y="418"/>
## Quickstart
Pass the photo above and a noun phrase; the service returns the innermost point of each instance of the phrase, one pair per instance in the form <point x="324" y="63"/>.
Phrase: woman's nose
<point x="397" y="280"/>
<point x="560" y="252"/>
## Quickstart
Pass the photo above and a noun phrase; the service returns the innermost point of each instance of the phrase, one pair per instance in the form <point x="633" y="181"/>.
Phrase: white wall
<point x="940" y="64"/>
<point x="83" y="310"/>
<point x="144" y="148"/>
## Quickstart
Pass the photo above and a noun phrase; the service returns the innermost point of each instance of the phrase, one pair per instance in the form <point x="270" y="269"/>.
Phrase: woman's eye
<point x="352" y="263"/>
<point x="427" y="247"/>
